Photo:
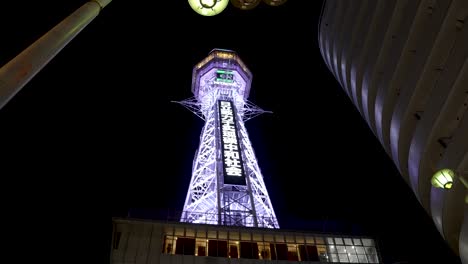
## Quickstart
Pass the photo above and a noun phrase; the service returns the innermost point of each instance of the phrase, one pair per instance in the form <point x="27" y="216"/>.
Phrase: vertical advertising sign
<point x="233" y="167"/>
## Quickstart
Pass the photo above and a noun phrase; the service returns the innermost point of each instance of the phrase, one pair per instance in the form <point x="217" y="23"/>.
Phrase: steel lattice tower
<point x="227" y="186"/>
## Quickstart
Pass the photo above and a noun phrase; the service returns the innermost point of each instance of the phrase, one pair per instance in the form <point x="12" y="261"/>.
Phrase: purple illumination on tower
<point x="227" y="186"/>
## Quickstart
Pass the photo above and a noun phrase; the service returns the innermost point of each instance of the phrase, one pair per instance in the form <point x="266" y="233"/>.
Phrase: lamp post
<point x="17" y="72"/>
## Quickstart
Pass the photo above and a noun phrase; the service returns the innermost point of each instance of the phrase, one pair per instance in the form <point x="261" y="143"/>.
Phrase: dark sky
<point x="95" y="130"/>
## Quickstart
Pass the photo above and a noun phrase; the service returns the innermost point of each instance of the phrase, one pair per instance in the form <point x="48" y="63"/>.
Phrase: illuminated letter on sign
<point x="232" y="159"/>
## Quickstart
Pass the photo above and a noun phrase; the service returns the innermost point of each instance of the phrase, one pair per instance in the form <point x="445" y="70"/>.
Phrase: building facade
<point x="156" y="242"/>
<point x="404" y="66"/>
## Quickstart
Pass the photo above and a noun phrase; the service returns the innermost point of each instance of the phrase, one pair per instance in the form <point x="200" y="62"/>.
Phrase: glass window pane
<point x="331" y="249"/>
<point x="357" y="241"/>
<point x="268" y="238"/>
<point x="319" y="240"/>
<point x="370" y="250"/>
<point x="362" y="258"/>
<point x="338" y="241"/>
<point x="246" y="236"/>
<point x="200" y="247"/>
<point x="299" y="239"/>
<point x="330" y="241"/>
<point x="292" y="252"/>
<point x="233" y="235"/>
<point x="367" y="242"/>
<point x="353" y="258"/>
<point x="348" y="241"/>
<point x="264" y="251"/>
<point x="257" y="237"/>
<point x="341" y="249"/>
<point x="279" y="238"/>
<point x="233" y="249"/>
<point x="322" y="252"/>
<point x="310" y="240"/>
<point x="168" y="230"/>
<point x="169" y="245"/>
<point x="350" y="249"/>
<point x="201" y="233"/>
<point x="359" y="250"/>
<point x="334" y="258"/>
<point x="343" y="258"/>
<point x="222" y="235"/>
<point x="179" y="231"/>
<point x="211" y="233"/>
<point x="290" y="238"/>
<point x="372" y="258"/>
<point x="189" y="232"/>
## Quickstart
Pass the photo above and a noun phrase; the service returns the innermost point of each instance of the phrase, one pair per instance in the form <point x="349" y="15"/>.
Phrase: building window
<point x="281" y="251"/>
<point x="217" y="248"/>
<point x="227" y="245"/>
<point x="292" y="252"/>
<point x="168" y="247"/>
<point x="233" y="249"/>
<point x="348" y="241"/>
<point x="201" y="244"/>
<point x="185" y="246"/>
<point x="322" y="252"/>
<point x="367" y="242"/>
<point x="362" y="258"/>
<point x="319" y="240"/>
<point x="248" y="250"/>
<point x="334" y="258"/>
<point x="338" y="241"/>
<point x="308" y="253"/>
<point x="343" y="257"/>
<point x="372" y="258"/>
<point x="265" y="251"/>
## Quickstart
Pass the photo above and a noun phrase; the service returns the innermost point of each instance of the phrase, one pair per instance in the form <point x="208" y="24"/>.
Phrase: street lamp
<point x="445" y="178"/>
<point x="214" y="7"/>
<point x="208" y="7"/>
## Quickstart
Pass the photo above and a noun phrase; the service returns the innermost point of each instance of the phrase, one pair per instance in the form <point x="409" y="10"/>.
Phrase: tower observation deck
<point x="227" y="186"/>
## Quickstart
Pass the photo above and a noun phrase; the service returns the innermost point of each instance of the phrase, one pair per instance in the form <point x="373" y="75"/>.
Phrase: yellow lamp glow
<point x="443" y="179"/>
<point x="208" y="7"/>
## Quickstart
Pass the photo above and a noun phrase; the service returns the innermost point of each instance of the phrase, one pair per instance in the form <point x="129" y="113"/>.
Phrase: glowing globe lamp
<point x="208" y="7"/>
<point x="443" y="179"/>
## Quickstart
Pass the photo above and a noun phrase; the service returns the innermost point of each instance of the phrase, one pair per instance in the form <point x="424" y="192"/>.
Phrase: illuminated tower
<point x="226" y="187"/>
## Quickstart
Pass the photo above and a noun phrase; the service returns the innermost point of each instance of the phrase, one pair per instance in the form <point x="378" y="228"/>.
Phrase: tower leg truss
<point x="209" y="199"/>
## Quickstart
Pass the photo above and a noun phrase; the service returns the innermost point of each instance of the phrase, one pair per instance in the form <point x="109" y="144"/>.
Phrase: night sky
<point x="95" y="133"/>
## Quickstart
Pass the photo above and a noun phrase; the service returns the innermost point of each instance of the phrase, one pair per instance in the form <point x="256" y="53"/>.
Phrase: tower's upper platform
<point x="222" y="69"/>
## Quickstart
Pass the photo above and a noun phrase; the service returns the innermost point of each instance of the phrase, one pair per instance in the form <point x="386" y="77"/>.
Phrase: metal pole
<point x="17" y="72"/>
